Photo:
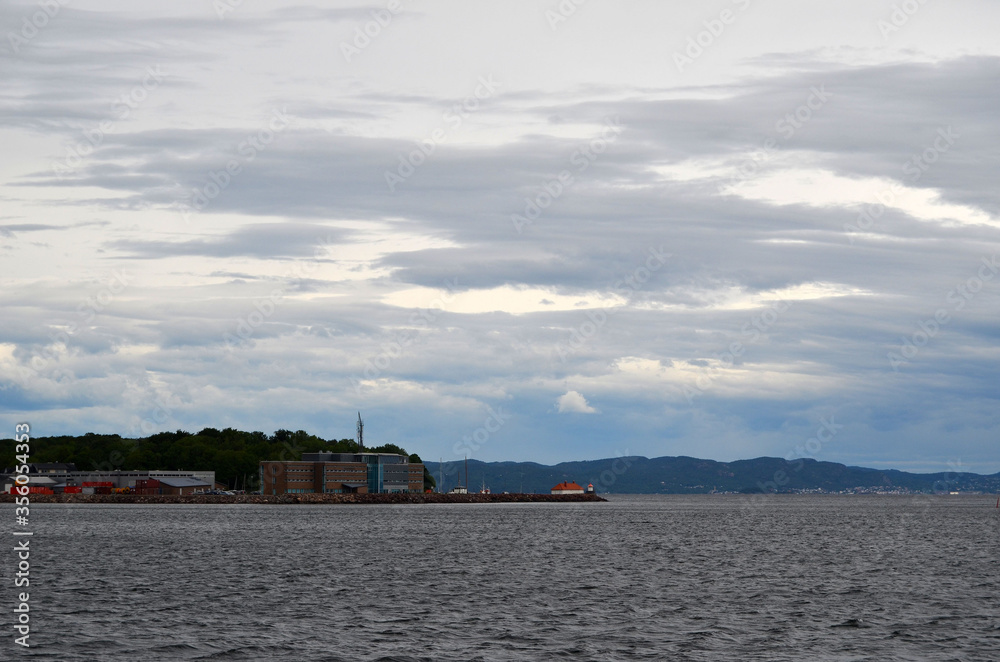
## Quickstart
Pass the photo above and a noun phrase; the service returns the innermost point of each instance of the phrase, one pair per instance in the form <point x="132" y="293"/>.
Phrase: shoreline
<point x="284" y="499"/>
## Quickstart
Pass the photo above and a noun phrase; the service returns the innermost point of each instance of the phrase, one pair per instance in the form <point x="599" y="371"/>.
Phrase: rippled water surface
<point x="658" y="578"/>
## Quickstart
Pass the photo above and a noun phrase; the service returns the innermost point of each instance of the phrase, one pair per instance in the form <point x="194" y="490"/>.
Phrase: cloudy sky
<point x="526" y="230"/>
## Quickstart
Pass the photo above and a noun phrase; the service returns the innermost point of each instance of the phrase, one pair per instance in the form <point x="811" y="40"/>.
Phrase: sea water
<point x="713" y="577"/>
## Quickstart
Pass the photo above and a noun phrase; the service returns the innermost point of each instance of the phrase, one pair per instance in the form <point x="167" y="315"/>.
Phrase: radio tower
<point x="361" y="434"/>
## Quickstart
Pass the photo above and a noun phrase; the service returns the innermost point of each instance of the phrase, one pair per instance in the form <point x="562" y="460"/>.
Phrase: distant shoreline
<point x="286" y="499"/>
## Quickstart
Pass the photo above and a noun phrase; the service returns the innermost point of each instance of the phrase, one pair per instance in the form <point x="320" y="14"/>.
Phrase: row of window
<point x="274" y="470"/>
<point x="309" y="480"/>
<point x="343" y="470"/>
<point x="340" y="491"/>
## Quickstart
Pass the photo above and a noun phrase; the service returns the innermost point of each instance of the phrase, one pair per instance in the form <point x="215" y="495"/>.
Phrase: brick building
<point x="342" y="473"/>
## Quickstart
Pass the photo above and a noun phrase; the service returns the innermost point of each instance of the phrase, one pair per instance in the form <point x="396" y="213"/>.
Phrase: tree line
<point x="234" y="455"/>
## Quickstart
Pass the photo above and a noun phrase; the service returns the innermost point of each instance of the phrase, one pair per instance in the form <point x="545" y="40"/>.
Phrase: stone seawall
<point x="307" y="498"/>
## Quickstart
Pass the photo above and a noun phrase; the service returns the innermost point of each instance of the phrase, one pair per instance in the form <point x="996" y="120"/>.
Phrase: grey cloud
<point x="594" y="234"/>
<point x="263" y="240"/>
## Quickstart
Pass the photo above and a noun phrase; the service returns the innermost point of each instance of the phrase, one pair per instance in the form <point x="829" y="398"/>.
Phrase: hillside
<point x="235" y="455"/>
<point x="688" y="475"/>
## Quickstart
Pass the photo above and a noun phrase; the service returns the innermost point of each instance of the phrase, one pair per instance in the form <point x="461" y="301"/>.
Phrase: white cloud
<point x="821" y="188"/>
<point x="573" y="402"/>
<point x="512" y="300"/>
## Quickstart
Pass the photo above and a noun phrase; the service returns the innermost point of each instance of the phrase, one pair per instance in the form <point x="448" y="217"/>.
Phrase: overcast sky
<point x="514" y="230"/>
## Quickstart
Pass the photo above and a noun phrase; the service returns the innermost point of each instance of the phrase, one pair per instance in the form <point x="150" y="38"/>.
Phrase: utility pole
<point x="361" y="434"/>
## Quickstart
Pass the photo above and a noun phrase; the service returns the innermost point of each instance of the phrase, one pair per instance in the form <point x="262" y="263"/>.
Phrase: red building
<point x="567" y="488"/>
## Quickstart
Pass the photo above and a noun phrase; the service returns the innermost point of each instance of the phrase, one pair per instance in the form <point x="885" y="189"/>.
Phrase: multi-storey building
<point x="361" y="473"/>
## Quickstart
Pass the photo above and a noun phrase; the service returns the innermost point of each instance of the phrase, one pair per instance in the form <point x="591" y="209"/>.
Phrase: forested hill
<point x="234" y="455"/>
<point x="688" y="475"/>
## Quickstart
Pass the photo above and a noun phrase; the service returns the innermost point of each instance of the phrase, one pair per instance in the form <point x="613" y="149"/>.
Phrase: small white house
<point x="567" y="488"/>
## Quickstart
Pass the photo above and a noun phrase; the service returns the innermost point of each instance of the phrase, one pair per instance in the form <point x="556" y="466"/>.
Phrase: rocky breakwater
<point x="359" y="499"/>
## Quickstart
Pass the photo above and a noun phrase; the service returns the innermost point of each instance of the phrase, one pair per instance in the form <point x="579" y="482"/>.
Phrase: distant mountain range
<point x="688" y="475"/>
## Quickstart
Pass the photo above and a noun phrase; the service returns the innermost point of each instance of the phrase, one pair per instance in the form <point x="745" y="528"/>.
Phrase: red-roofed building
<point x="567" y="488"/>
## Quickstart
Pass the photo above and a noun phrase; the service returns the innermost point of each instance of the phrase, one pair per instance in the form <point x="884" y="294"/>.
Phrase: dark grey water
<point x="658" y="578"/>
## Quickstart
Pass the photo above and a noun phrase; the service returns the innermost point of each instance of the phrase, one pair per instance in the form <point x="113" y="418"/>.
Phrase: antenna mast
<point x="361" y="433"/>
